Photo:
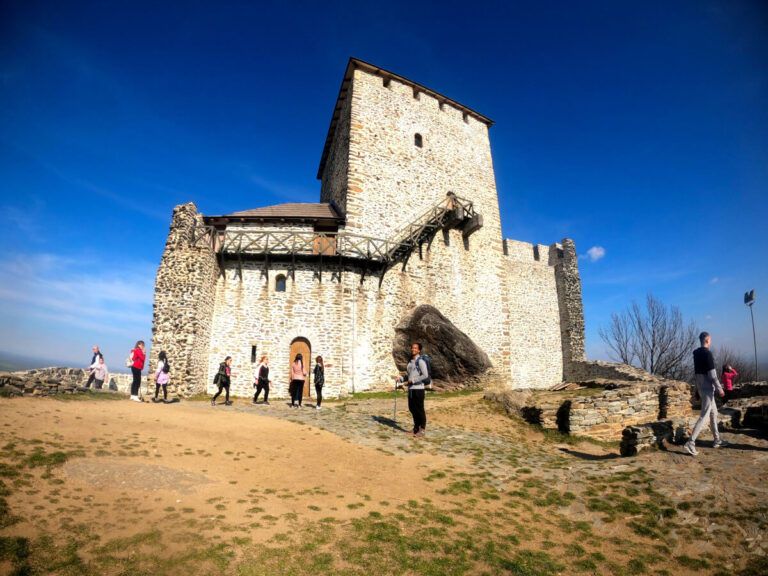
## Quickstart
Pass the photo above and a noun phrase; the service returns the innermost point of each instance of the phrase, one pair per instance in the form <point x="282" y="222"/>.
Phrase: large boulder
<point x="456" y="360"/>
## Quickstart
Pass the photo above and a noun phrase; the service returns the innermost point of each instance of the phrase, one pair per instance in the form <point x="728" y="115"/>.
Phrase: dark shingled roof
<point x="291" y="212"/>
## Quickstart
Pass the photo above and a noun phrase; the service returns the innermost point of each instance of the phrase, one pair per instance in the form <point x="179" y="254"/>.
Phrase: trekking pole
<point x="394" y="415"/>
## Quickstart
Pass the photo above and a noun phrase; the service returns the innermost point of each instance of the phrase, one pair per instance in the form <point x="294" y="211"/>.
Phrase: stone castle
<point x="408" y="216"/>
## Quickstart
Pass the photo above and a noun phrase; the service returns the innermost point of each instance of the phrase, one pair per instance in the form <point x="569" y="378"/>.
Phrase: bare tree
<point x="725" y="356"/>
<point x="654" y="337"/>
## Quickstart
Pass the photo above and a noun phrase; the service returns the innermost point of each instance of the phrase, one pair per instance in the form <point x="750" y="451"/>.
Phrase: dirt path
<point x="220" y="488"/>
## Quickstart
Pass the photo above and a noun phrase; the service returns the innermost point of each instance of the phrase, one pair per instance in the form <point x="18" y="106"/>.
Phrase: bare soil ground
<point x="102" y="486"/>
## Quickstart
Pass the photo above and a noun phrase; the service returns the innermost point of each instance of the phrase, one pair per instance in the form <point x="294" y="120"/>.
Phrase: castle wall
<point x="249" y="312"/>
<point x="535" y="336"/>
<point x="184" y="300"/>
<point x="334" y="181"/>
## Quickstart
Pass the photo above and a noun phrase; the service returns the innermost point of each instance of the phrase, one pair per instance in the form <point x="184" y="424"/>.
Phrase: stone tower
<point x="408" y="216"/>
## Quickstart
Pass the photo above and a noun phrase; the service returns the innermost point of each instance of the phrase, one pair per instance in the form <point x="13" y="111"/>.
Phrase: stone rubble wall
<point x="184" y="302"/>
<point x="571" y="306"/>
<point x="586" y="371"/>
<point x="603" y="415"/>
<point x="57" y="380"/>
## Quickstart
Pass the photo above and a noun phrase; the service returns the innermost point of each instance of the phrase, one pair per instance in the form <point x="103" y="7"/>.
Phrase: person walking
<point x="222" y="379"/>
<point x="319" y="377"/>
<point x="261" y="380"/>
<point x="162" y="376"/>
<point x="137" y="358"/>
<point x="417" y="374"/>
<point x="93" y="365"/>
<point x="706" y="384"/>
<point x="298" y="377"/>
<point x="728" y="375"/>
<point x="100" y="373"/>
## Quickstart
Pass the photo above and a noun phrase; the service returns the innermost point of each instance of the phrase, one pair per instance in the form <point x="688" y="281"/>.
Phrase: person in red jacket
<point x="138" y="356"/>
<point x="728" y="375"/>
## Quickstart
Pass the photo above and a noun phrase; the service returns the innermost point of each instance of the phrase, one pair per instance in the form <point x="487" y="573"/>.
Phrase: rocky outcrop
<point x="456" y="359"/>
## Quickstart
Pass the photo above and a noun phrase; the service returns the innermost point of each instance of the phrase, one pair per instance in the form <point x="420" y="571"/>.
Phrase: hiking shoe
<point x="227" y="403"/>
<point x="266" y="403"/>
<point x="690" y="447"/>
<point x="213" y="402"/>
<point x="421" y="433"/>
<point x="720" y="443"/>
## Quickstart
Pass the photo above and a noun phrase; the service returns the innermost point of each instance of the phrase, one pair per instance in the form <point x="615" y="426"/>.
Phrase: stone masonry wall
<point x="184" y="299"/>
<point x="535" y="339"/>
<point x="392" y="181"/>
<point x="335" y="178"/>
<point x="605" y="414"/>
<point x="571" y="306"/>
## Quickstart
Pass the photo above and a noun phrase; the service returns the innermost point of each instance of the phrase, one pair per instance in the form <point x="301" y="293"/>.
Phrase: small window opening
<point x="416" y="94"/>
<point x="280" y="283"/>
<point x="385" y="82"/>
<point x="442" y="105"/>
<point x="253" y="354"/>
<point x="417" y="140"/>
<point x="465" y="116"/>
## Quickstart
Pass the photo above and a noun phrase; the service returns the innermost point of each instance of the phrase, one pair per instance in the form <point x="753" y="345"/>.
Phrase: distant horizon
<point x="36" y="363"/>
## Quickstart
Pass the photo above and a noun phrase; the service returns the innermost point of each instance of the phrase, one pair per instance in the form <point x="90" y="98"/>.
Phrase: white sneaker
<point x="690" y="447"/>
<point x="720" y="443"/>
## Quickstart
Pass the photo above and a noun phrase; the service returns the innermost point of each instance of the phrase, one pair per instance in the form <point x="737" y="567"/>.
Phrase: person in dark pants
<point x="138" y="356"/>
<point x="93" y="365"/>
<point x="319" y="377"/>
<point x="262" y="381"/>
<point x="298" y="376"/>
<point x="223" y="379"/>
<point x="417" y="374"/>
<point x="728" y="375"/>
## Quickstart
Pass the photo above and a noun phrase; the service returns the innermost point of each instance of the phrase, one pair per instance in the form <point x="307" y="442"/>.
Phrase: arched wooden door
<point x="303" y="347"/>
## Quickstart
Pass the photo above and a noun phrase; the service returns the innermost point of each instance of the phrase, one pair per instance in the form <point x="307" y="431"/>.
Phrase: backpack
<point x="166" y="367"/>
<point x="428" y="361"/>
<point x="216" y="378"/>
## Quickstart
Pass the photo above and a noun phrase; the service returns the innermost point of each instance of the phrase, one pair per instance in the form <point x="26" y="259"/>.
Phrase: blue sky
<point x="640" y="130"/>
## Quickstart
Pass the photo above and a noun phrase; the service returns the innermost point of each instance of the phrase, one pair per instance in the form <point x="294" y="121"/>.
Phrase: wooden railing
<point x="453" y="212"/>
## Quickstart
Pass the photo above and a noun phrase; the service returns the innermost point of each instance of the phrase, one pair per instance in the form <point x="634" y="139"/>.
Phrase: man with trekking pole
<point x="417" y="377"/>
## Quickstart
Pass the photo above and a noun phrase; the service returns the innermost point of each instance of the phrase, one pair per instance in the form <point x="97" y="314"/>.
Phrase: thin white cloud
<point x="73" y="293"/>
<point x="714" y="280"/>
<point x="595" y="253"/>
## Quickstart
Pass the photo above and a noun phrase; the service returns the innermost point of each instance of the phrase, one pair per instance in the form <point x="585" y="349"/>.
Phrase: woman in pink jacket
<point x="728" y="375"/>
<point x="298" y="376"/>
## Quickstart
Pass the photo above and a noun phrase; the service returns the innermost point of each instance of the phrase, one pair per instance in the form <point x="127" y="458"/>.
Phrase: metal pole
<point x="754" y="340"/>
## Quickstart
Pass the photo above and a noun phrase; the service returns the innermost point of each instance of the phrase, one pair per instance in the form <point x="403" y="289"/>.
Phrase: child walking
<point x="162" y="376"/>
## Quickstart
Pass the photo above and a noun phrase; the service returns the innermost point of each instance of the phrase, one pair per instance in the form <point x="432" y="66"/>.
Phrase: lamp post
<point x="749" y="300"/>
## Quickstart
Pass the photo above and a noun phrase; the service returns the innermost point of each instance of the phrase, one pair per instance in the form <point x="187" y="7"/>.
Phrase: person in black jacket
<point x="319" y="377"/>
<point x="262" y="381"/>
<point x="707" y="385"/>
<point x="222" y="379"/>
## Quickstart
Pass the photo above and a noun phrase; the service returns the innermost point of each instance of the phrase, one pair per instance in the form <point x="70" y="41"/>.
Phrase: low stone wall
<point x="587" y="371"/>
<point x="603" y="412"/>
<point x="57" y="380"/>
